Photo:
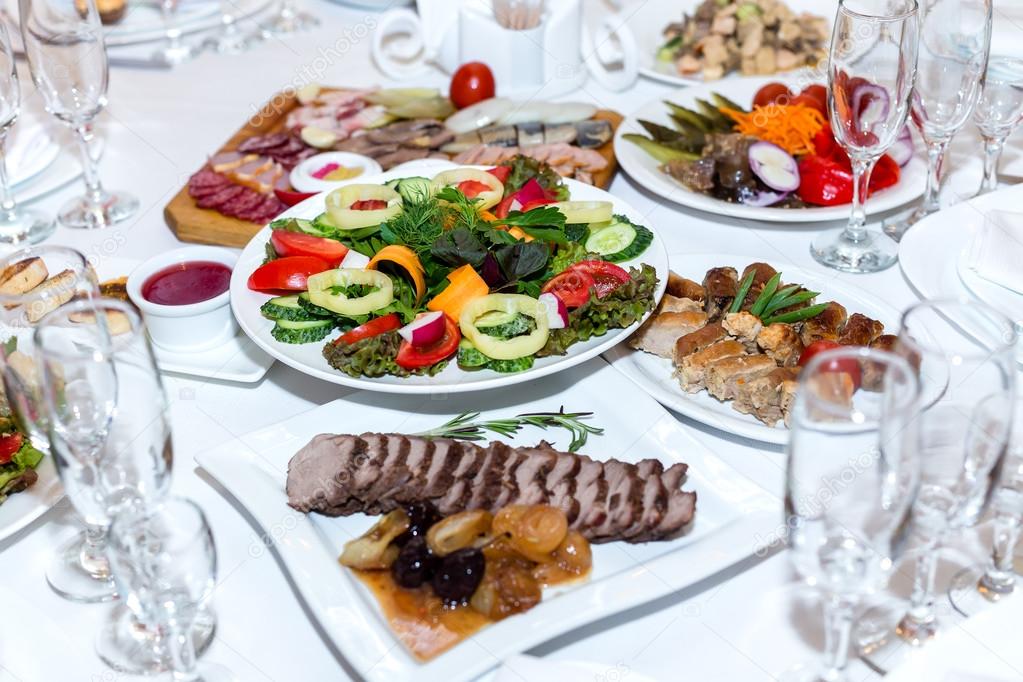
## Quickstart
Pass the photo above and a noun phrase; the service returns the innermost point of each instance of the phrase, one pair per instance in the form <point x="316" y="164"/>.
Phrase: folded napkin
<point x="996" y="253"/>
<point x="519" y="668"/>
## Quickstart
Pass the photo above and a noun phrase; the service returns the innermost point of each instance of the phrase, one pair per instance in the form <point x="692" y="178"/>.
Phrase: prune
<point x="458" y="575"/>
<point x="421" y="516"/>
<point x="414" y="565"/>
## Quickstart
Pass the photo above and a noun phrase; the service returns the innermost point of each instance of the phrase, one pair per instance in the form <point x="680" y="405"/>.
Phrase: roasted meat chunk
<point x="860" y="330"/>
<point x="691" y="372"/>
<point x="721" y="285"/>
<point x="681" y="287"/>
<point x="698" y="340"/>
<point x="744" y="327"/>
<point x="725" y="378"/>
<point x="659" y="333"/>
<point x="826" y="326"/>
<point x="762" y="272"/>
<point x="763" y="397"/>
<point x="781" y="342"/>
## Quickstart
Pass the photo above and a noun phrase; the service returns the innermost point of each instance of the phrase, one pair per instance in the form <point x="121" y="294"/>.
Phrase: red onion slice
<point x="774" y="166"/>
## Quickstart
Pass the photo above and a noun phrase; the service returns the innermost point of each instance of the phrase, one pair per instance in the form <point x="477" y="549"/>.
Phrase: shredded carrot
<point x="792" y="127"/>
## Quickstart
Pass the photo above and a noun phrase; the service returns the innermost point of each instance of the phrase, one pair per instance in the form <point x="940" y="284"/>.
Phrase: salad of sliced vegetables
<point x="488" y="268"/>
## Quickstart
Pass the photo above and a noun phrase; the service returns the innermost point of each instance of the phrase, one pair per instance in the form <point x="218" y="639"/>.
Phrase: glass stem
<point x="856" y="231"/>
<point x="182" y="654"/>
<point x="7" y="206"/>
<point x="94" y="194"/>
<point x="921" y="601"/>
<point x="999" y="577"/>
<point x="839" y="614"/>
<point x="173" y="32"/>
<point x="992" y="154"/>
<point x="93" y="556"/>
<point x="935" y="160"/>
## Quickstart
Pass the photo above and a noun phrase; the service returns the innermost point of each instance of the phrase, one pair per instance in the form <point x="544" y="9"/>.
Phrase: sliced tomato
<point x="504" y="207"/>
<point x="846" y="366"/>
<point x="10" y="443"/>
<point x="412" y="357"/>
<point x="501" y="173"/>
<point x="539" y="202"/>
<point x="571" y="286"/>
<point x="286" y="274"/>
<point x="375" y="327"/>
<point x="291" y="198"/>
<point x="369" y="205"/>
<point x="606" y="276"/>
<point x="473" y="188"/>
<point x="296" y="244"/>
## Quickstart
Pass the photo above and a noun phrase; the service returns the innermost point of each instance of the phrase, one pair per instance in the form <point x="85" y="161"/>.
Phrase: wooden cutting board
<point x="204" y="226"/>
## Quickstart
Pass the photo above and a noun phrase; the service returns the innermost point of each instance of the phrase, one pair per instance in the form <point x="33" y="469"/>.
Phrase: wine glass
<point x="165" y="562"/>
<point x="17" y="225"/>
<point x="998" y="112"/>
<point x="853" y="470"/>
<point x="68" y="60"/>
<point x="955" y="39"/>
<point x="175" y="51"/>
<point x="229" y="39"/>
<point x="964" y="351"/>
<point x="976" y="587"/>
<point x="871" y="70"/>
<point x="288" y="19"/>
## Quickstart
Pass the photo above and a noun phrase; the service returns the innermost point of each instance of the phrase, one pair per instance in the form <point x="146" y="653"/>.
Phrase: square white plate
<point x="733" y="516"/>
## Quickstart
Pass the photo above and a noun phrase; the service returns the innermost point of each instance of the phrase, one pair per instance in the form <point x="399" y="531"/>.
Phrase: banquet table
<point x="750" y="622"/>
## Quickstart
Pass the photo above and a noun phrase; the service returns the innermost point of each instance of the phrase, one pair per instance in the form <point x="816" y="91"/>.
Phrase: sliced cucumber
<point x="620" y="240"/>
<point x="306" y="226"/>
<point x="301" y="331"/>
<point x="311" y="308"/>
<point x="287" y="308"/>
<point x="511" y="366"/>
<point x="324" y="224"/>
<point x="502" y="325"/>
<point x="577" y="232"/>
<point x="469" y="357"/>
<point x="414" y="190"/>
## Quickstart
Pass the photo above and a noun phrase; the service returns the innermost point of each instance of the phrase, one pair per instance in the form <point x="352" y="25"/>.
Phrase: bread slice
<point x="23" y="276"/>
<point x="50" y="295"/>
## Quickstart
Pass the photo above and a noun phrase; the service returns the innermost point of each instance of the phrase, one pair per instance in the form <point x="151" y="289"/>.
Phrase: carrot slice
<point x="465" y="286"/>
<point x="406" y="259"/>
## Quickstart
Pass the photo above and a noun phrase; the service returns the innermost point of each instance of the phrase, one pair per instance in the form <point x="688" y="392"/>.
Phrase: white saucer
<point x="237" y="360"/>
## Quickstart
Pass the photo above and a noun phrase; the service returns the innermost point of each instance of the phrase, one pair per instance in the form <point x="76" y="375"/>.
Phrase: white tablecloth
<point x="746" y="624"/>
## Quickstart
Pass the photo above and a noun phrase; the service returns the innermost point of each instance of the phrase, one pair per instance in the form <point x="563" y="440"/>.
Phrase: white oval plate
<point x="308" y="358"/>
<point x="647" y="21"/>
<point x="654" y="374"/>
<point x="644" y="169"/>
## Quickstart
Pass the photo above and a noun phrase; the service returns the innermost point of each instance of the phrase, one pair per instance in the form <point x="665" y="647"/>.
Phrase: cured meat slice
<point x="218" y="199"/>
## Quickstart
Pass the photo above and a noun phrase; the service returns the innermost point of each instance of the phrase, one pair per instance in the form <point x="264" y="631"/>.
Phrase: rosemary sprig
<point x="465" y="426"/>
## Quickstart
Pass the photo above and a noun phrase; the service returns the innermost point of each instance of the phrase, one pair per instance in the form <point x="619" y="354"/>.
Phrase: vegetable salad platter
<point x="449" y="279"/>
<point x="759" y="149"/>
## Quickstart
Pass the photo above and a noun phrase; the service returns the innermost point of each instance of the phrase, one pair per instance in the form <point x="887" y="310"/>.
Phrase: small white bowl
<point x="302" y="175"/>
<point x="191" y="327"/>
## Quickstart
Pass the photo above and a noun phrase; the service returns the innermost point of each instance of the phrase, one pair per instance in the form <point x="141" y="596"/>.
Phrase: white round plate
<point x="308" y="358"/>
<point x="647" y="21"/>
<point x="1000" y="298"/>
<point x="21" y="509"/>
<point x="654" y="374"/>
<point x="31" y="151"/>
<point x="930" y="252"/>
<point x="644" y="169"/>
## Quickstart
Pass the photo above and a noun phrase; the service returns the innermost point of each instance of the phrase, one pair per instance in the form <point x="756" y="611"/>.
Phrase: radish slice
<point x="763" y="199"/>
<point x="774" y="166"/>
<point x="871" y="104"/>
<point x="557" y="313"/>
<point x="903" y="150"/>
<point x="427" y="328"/>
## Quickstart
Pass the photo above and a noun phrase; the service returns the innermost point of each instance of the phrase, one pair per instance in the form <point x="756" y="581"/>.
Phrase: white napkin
<point x="996" y="253"/>
<point x="519" y="668"/>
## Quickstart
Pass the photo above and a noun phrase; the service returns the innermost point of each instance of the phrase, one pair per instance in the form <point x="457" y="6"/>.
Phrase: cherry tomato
<point x="472" y="188"/>
<point x="411" y="357"/>
<point x="846" y="366"/>
<point x="473" y="82"/>
<point x="291" y="198"/>
<point x="818" y="92"/>
<point x="770" y="94"/>
<point x="297" y="244"/>
<point x="369" y="205"/>
<point x="501" y="173"/>
<point x="606" y="276"/>
<point x="10" y="443"/>
<point x="375" y="327"/>
<point x="286" y="274"/>
<point x="572" y="287"/>
<point x="811" y="102"/>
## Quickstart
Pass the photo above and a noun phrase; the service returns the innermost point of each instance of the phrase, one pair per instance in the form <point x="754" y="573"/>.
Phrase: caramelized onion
<point x="374" y="550"/>
<point x="534" y="531"/>
<point x="464" y="529"/>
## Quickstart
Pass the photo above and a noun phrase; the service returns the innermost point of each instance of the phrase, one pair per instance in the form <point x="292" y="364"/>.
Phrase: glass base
<point x="72" y="576"/>
<point x="176" y="54"/>
<point x="26" y="227"/>
<point x="873" y="253"/>
<point x="284" y="23"/>
<point x="883" y="636"/>
<point x="970" y="593"/>
<point x="80" y="213"/>
<point x="229" y="42"/>
<point x="897" y="227"/>
<point x="127" y="646"/>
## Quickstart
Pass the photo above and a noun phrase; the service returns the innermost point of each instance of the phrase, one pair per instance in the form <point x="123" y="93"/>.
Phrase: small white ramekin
<point x="302" y="175"/>
<point x="194" y="326"/>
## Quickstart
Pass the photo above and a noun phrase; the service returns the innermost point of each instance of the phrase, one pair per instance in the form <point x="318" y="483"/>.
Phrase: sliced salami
<point x="210" y="190"/>
<point x="246" y="201"/>
<point x="218" y="199"/>
<point x="260" y="144"/>
<point x="205" y="178"/>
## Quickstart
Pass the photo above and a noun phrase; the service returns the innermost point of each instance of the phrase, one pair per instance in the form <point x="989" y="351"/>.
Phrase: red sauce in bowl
<point x="186" y="283"/>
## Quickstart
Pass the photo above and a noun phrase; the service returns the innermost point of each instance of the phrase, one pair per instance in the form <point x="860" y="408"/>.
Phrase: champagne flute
<point x="852" y="474"/>
<point x="175" y="51"/>
<point x="17" y="225"/>
<point x="871" y="70"/>
<point x="998" y="112"/>
<point x="110" y="439"/>
<point x="229" y="40"/>
<point x="67" y="57"/>
<point x="955" y="39"/>
<point x="165" y="562"/>
<point x="967" y="368"/>
<point x="288" y="19"/>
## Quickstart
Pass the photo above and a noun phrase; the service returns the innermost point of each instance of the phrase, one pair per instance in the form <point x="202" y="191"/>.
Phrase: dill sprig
<point x="465" y="426"/>
<point x="418" y="226"/>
